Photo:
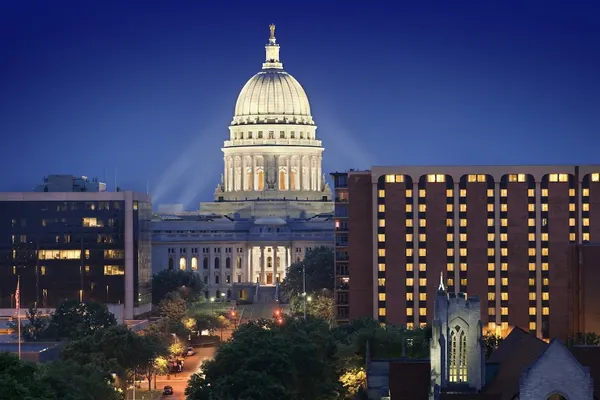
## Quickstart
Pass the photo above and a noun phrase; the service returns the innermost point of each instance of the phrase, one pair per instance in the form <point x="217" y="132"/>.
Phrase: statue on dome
<point x="272" y="29"/>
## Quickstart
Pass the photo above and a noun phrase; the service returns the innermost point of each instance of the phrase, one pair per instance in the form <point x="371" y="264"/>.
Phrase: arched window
<point x="217" y="263"/>
<point x="171" y="263"/>
<point x="260" y="177"/>
<point x="278" y="262"/>
<point x="282" y="180"/>
<point x="238" y="262"/>
<point x="269" y="262"/>
<point x="228" y="262"/>
<point x="182" y="263"/>
<point x="205" y="263"/>
<point x="194" y="264"/>
<point x="458" y="355"/>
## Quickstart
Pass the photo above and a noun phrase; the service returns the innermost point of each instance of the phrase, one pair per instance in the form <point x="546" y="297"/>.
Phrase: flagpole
<point x="19" y="314"/>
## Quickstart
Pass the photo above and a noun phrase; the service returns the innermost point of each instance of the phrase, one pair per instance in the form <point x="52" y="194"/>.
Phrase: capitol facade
<point x="272" y="204"/>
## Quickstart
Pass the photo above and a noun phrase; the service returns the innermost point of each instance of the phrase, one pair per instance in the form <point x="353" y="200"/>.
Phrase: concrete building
<point x="502" y="233"/>
<point x="70" y="183"/>
<point x="76" y="245"/>
<point x="272" y="203"/>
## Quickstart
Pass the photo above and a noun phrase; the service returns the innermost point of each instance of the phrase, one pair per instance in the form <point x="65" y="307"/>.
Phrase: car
<point x="190" y="351"/>
<point x="167" y="391"/>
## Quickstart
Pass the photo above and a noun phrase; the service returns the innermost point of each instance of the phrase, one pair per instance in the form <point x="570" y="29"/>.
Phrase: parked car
<point x="190" y="351"/>
<point x="168" y="391"/>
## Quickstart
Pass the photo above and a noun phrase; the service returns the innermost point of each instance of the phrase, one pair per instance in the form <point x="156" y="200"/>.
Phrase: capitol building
<point x="272" y="203"/>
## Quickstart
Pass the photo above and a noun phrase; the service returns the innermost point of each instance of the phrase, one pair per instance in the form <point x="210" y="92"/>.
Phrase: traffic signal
<point x="233" y="313"/>
<point x="277" y="312"/>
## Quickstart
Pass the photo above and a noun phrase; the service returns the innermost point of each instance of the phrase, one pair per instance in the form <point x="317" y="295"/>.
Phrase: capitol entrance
<point x="268" y="264"/>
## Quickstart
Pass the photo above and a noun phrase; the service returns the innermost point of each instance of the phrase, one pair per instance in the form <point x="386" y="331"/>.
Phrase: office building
<point x="76" y="245"/>
<point x="502" y="233"/>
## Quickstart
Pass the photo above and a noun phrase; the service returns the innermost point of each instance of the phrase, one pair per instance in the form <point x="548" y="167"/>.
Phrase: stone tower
<point x="457" y="349"/>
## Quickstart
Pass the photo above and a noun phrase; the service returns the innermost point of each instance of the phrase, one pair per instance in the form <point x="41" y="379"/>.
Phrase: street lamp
<point x="304" y="288"/>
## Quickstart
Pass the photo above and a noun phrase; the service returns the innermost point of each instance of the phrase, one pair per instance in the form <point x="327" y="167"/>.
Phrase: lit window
<point x="463" y="222"/>
<point x="408" y="192"/>
<point x="381" y="296"/>
<point x="463" y="266"/>
<point x="563" y="177"/>
<point x="449" y="222"/>
<point x="422" y="296"/>
<point x="585" y="192"/>
<point x="463" y="208"/>
<point x="586" y="222"/>
<point x="504" y="222"/>
<point x="490" y="192"/>
<point x="504" y="281"/>
<point x="586" y="237"/>
<point x="491" y="252"/>
<point x="544" y="192"/>
<point x="504" y="296"/>
<point x="422" y="282"/>
<point x="490" y="222"/>
<point x="422" y="252"/>
<point x="382" y="223"/>
<point x="504" y="310"/>
<point x="114" y="270"/>
<point x="422" y="311"/>
<point x="450" y="281"/>
<point x="572" y="192"/>
<point x="504" y="251"/>
<point x="463" y="237"/>
<point x="545" y="282"/>
<point x="503" y="192"/>
<point x="422" y="222"/>
<point x="545" y="207"/>
<point x="463" y="281"/>
<point x="409" y="237"/>
<point x="544" y="266"/>
<point x="381" y="193"/>
<point x="422" y="192"/>
<point x="449" y="193"/>
<point x="463" y="252"/>
<point x="492" y="326"/>
<point x="410" y="281"/>
<point x="450" y="267"/>
<point x="490" y="208"/>
<point x="381" y="252"/>
<point x="491" y="281"/>
<point x="409" y="267"/>
<point x="531" y="281"/>
<point x="449" y="207"/>
<point x="422" y="267"/>
<point x="532" y="296"/>
<point x="409" y="252"/>
<point x="491" y="311"/>
<point x="545" y="310"/>
<point x="491" y="296"/>
<point x="439" y="178"/>
<point x="409" y="223"/>
<point x="532" y="266"/>
<point x="531" y="222"/>
<point x="491" y="266"/>
<point x="544" y="237"/>
<point x="504" y="237"/>
<point x="382" y="267"/>
<point x="409" y="311"/>
<point x="545" y="296"/>
<point x="381" y="237"/>
<point x="422" y="237"/>
<point x="449" y="252"/>
<point x="382" y="312"/>
<point x="532" y="326"/>
<point x="571" y="237"/>
<point x="472" y="178"/>
<point x="409" y="296"/>
<point x="596" y="177"/>
<point x="449" y="237"/>
<point x="504" y="207"/>
<point x="504" y="325"/>
<point x="422" y="207"/>
<point x="381" y="281"/>
<point x="532" y="311"/>
<point x="504" y="266"/>
<point x="545" y="251"/>
<point x="584" y="206"/>
<point x="531" y="192"/>
<point x="381" y="208"/>
<point x="531" y="207"/>
<point x="390" y="178"/>
<point x="532" y="252"/>
<point x="399" y="178"/>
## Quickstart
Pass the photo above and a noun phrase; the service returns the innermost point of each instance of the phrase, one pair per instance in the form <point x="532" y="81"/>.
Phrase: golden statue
<point x="272" y="28"/>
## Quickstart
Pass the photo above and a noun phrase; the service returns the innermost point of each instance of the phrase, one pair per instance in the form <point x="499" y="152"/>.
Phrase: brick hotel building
<point x="520" y="238"/>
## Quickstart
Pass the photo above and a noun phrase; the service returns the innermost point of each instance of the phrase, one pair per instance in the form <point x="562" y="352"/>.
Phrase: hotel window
<point x="381" y="252"/>
<point x="490" y="208"/>
<point x="422" y="223"/>
<point x="409" y="296"/>
<point x="409" y="223"/>
<point x="504" y="296"/>
<point x="422" y="192"/>
<point x="463" y="252"/>
<point x="463" y="222"/>
<point x="586" y="221"/>
<point x="532" y="311"/>
<point x="463" y="208"/>
<point x="491" y="311"/>
<point x="422" y="311"/>
<point x="545" y="251"/>
<point x="490" y="237"/>
<point x="504" y="266"/>
<point x="532" y="252"/>
<point x="422" y="252"/>
<point x="463" y="192"/>
<point x="596" y="177"/>
<point x="409" y="208"/>
<point x="585" y="207"/>
<point x="439" y="178"/>
<point x="504" y="207"/>
<point x="390" y="179"/>
<point x="463" y="266"/>
<point x="503" y="192"/>
<point x="545" y="207"/>
<point x="491" y="281"/>
<point x="504" y="251"/>
<point x="422" y="237"/>
<point x="544" y="192"/>
<point x="491" y="296"/>
<point x="449" y="207"/>
<point x="504" y="222"/>
<point x="408" y="192"/>
<point x="571" y="237"/>
<point x="545" y="310"/>
<point x="531" y="192"/>
<point x="449" y="193"/>
<point x="409" y="237"/>
<point x="586" y="237"/>
<point x="531" y="207"/>
<point x="531" y="281"/>
<point x="410" y="281"/>
<point x="490" y="192"/>
<point x="491" y="266"/>
<point x="449" y="222"/>
<point x="381" y="267"/>
<point x="545" y="281"/>
<point x="531" y="222"/>
<point x="532" y="296"/>
<point x="409" y="252"/>
<point x="504" y="237"/>
<point x="422" y="207"/>
<point x="532" y="266"/>
<point x="422" y="296"/>
<point x="449" y="252"/>
<point x="463" y="281"/>
<point x="409" y="267"/>
<point x="545" y="296"/>
<point x="504" y="310"/>
<point x="504" y="281"/>
<point x="381" y="208"/>
<point x="585" y="192"/>
<point x="381" y="282"/>
<point x="450" y="267"/>
<point x="382" y="223"/>
<point x="381" y="193"/>
<point x="409" y="311"/>
<point x="382" y="312"/>
<point x="381" y="237"/>
<point x="544" y="237"/>
<point x="532" y="326"/>
<point x="463" y="237"/>
<point x="491" y="252"/>
<point x="381" y="296"/>
<point x="490" y="222"/>
<point x="449" y="237"/>
<point x="544" y="266"/>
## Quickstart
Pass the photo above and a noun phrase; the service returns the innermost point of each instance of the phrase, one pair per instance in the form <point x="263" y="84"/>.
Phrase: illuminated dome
<point x="272" y="95"/>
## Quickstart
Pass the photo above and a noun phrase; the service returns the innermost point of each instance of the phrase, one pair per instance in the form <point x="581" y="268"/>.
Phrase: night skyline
<point x="150" y="92"/>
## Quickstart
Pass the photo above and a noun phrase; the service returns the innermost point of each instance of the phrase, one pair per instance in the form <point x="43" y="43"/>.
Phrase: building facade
<point x="502" y="233"/>
<point x="272" y="203"/>
<point x="76" y="245"/>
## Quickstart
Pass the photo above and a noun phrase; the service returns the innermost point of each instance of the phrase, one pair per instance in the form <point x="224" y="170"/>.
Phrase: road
<point x="179" y="381"/>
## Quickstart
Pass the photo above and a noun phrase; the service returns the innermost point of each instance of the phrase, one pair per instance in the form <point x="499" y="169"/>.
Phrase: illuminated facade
<point x="501" y="233"/>
<point x="272" y="204"/>
<point x="81" y="246"/>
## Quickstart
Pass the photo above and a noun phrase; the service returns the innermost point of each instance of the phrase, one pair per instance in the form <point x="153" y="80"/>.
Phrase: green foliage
<point x="492" y="342"/>
<point x="53" y="381"/>
<point x="265" y="360"/>
<point x="319" y="265"/>
<point x="186" y="283"/>
<point x="74" y="320"/>
<point x="206" y="322"/>
<point x="319" y="305"/>
<point x="34" y="327"/>
<point x="172" y="307"/>
<point x="586" y="339"/>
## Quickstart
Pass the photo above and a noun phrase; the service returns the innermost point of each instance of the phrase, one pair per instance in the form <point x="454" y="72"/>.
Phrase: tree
<point x="221" y="324"/>
<point x="151" y="352"/>
<point x="319" y="265"/>
<point x="206" y="322"/>
<point x="586" y="339"/>
<point x="492" y="341"/>
<point x="34" y="328"/>
<point x="266" y="360"/>
<point x="319" y="304"/>
<point x="187" y="283"/>
<point x="74" y="320"/>
<point x="172" y="307"/>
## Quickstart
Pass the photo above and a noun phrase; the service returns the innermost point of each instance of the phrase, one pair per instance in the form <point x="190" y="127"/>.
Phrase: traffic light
<point x="277" y="312"/>
<point x="233" y="313"/>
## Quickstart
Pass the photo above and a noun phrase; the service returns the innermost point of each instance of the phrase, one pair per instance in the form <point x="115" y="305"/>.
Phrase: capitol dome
<point x="272" y="95"/>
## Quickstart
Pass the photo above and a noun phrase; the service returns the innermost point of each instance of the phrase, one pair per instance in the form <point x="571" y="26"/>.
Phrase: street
<point x="191" y="366"/>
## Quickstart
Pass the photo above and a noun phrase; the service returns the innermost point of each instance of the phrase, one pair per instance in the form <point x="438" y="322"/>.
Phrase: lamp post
<point x="304" y="288"/>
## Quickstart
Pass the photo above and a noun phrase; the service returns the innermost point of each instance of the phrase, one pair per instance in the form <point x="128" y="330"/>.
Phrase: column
<point x="225" y="173"/>
<point x="244" y="256"/>
<point x="288" y="162"/>
<point x="211" y="266"/>
<point x="250" y="266"/>
<point x="286" y="250"/>
<point x="538" y="257"/>
<point x="224" y="271"/>
<point x="263" y="263"/>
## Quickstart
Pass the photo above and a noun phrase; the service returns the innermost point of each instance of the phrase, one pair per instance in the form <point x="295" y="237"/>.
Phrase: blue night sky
<point x="148" y="88"/>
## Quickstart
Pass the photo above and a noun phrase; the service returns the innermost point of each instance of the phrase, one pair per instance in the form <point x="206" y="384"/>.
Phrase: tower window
<point x="458" y="355"/>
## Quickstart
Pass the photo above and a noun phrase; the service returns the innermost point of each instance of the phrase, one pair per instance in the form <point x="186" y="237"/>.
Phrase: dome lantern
<point x="272" y="52"/>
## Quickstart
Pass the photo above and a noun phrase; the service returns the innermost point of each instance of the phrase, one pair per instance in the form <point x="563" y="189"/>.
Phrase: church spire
<point x="272" y="52"/>
<point x="441" y="288"/>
